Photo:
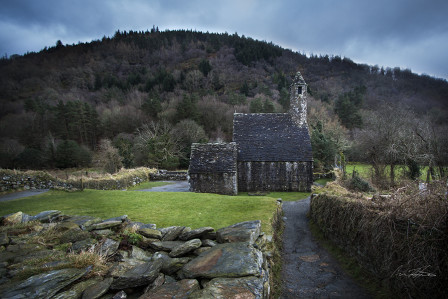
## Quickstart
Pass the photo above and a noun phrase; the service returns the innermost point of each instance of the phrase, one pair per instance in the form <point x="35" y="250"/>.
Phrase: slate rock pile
<point x="38" y="259"/>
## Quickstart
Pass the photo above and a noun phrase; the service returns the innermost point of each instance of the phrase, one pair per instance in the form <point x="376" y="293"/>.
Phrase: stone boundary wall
<point x="171" y="262"/>
<point x="15" y="179"/>
<point x="162" y="175"/>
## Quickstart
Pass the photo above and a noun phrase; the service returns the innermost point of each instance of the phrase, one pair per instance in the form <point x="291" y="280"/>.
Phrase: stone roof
<point x="213" y="157"/>
<point x="298" y="79"/>
<point x="270" y="137"/>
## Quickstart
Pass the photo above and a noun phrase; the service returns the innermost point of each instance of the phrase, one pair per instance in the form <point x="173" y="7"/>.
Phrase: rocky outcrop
<point x="51" y="255"/>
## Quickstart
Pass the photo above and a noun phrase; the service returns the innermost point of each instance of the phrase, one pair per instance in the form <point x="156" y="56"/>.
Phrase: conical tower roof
<point x="298" y="79"/>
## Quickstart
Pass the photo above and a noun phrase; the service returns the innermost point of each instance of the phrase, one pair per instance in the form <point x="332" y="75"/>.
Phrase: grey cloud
<point x="366" y="31"/>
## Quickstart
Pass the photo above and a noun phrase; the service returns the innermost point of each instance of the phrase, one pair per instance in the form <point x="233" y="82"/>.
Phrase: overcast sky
<point x="405" y="33"/>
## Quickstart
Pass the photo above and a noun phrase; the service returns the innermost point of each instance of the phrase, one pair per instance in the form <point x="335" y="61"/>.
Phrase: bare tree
<point x="110" y="159"/>
<point x="387" y="138"/>
<point x="157" y="146"/>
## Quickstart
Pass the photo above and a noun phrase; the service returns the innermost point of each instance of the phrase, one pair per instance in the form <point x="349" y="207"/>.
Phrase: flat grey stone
<point x="44" y="285"/>
<point x="185" y="248"/>
<point x="226" y="260"/>
<point x="108" y="247"/>
<point x="247" y="231"/>
<point x="178" y="289"/>
<point x="245" y="287"/>
<point x="137" y="276"/>
<point x="165" y="245"/>
<point x="209" y="243"/>
<point x="150" y="233"/>
<point x="76" y="291"/>
<point x="104" y="225"/>
<point x="45" y="216"/>
<point x="171" y="233"/>
<point x="97" y="290"/>
<point x="195" y="233"/>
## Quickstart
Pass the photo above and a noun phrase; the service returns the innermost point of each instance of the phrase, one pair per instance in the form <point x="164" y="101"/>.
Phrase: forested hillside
<point x="141" y="98"/>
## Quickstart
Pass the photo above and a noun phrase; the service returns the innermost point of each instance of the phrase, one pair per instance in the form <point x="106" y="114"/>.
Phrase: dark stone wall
<point x="275" y="176"/>
<point x="168" y="176"/>
<point x="220" y="183"/>
<point x="213" y="168"/>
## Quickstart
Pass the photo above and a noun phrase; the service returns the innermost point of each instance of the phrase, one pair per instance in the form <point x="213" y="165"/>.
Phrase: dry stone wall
<point x="14" y="179"/>
<point x="170" y="262"/>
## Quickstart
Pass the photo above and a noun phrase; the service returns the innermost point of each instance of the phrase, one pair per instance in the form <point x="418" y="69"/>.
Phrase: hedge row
<point x="401" y="239"/>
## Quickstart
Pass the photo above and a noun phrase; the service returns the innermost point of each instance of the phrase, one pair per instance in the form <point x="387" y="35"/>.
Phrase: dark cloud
<point x="405" y="33"/>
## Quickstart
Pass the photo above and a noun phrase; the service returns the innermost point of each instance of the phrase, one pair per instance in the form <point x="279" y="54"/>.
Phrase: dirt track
<point x="21" y="194"/>
<point x="308" y="270"/>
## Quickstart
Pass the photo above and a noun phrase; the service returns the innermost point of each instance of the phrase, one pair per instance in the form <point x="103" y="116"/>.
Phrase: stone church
<point x="269" y="152"/>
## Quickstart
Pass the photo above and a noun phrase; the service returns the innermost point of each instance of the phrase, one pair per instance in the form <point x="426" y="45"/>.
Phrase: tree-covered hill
<point x="156" y="92"/>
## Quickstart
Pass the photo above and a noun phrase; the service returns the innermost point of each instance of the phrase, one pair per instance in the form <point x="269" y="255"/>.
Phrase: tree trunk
<point x="392" y="174"/>
<point x="428" y="174"/>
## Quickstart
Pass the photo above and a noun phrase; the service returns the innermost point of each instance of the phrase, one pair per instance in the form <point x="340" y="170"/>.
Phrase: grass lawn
<point x="286" y="196"/>
<point x="162" y="208"/>
<point x="148" y="185"/>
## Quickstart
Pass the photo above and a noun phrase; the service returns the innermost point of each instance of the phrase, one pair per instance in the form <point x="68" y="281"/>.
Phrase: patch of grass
<point x="87" y="258"/>
<point x="162" y="208"/>
<point x="323" y="182"/>
<point x="365" y="170"/>
<point x="350" y="265"/>
<point x="148" y="185"/>
<point x="285" y="196"/>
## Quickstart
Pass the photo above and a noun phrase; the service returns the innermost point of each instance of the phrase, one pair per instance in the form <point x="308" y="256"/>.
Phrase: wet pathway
<point x="173" y="186"/>
<point x="308" y="270"/>
<point x="21" y="194"/>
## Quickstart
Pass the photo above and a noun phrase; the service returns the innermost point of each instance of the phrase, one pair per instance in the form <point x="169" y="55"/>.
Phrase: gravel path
<point x="174" y="186"/>
<point x="308" y="270"/>
<point x="21" y="194"/>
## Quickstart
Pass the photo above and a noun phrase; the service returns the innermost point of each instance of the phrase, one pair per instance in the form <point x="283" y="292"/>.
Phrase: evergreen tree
<point x="205" y="67"/>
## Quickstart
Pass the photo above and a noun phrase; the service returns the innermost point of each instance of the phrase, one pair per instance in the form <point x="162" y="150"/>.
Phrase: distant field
<point x="365" y="170"/>
<point x="162" y="208"/>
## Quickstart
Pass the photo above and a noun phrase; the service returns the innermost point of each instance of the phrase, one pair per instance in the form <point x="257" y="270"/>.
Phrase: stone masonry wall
<point x="170" y="262"/>
<point x="220" y="183"/>
<point x="275" y="176"/>
<point x="14" y="179"/>
<point x="213" y="168"/>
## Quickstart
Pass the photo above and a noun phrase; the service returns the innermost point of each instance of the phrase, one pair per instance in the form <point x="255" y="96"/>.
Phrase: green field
<point x="162" y="208"/>
<point x="365" y="170"/>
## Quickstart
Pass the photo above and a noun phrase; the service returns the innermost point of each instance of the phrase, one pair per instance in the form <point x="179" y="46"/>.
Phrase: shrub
<point x="400" y="239"/>
<point x="111" y="160"/>
<point x="357" y="183"/>
<point x="30" y="158"/>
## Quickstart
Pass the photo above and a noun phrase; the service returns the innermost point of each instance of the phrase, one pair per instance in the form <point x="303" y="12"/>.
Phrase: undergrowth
<point x="400" y="238"/>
